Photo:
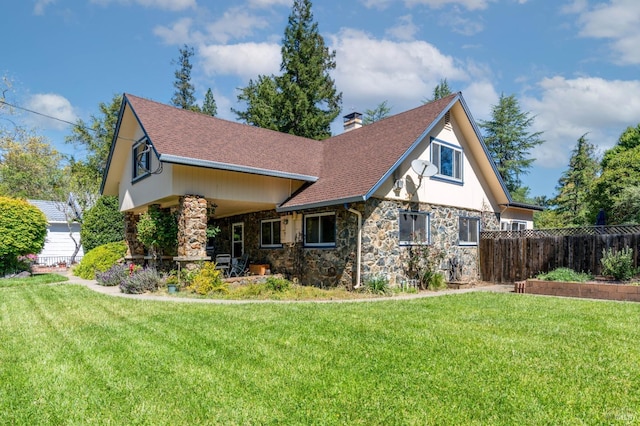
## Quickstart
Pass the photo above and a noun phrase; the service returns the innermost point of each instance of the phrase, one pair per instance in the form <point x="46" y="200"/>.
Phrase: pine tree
<point x="509" y="141"/>
<point x="184" y="96"/>
<point x="441" y="90"/>
<point x="573" y="185"/>
<point x="376" y="114"/>
<point x="209" y="106"/>
<point x="302" y="100"/>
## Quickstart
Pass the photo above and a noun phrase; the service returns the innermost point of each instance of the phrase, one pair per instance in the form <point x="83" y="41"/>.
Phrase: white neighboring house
<point x="62" y="236"/>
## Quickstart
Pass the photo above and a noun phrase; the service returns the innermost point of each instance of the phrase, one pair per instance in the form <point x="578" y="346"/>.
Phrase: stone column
<point x="135" y="249"/>
<point x="192" y="228"/>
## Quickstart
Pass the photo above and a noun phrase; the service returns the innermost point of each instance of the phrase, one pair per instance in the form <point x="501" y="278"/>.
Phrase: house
<point x="62" y="235"/>
<point x="330" y="212"/>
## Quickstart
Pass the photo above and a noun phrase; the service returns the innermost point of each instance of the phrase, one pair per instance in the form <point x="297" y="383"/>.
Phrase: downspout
<point x="358" y="245"/>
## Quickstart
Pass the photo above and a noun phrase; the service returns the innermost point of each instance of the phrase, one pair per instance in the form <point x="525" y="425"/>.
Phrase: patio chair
<point x="239" y="266"/>
<point x="223" y="263"/>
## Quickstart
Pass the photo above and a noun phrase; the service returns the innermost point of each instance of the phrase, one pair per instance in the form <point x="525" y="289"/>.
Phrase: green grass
<point x="32" y="280"/>
<point x="71" y="356"/>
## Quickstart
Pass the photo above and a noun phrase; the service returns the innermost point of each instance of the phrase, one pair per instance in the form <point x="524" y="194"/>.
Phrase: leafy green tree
<point x="620" y="170"/>
<point x="209" y="106"/>
<point x="378" y="113"/>
<point x="509" y="141"/>
<point x="95" y="139"/>
<point x="574" y="185"/>
<point x="29" y="166"/>
<point x="23" y="229"/>
<point x="303" y="100"/>
<point x="103" y="223"/>
<point x="441" y="90"/>
<point x="184" y="96"/>
<point x="626" y="206"/>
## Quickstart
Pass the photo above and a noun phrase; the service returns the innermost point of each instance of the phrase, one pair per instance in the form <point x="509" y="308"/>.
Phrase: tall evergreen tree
<point x="440" y="91"/>
<point x="209" y="106"/>
<point x="376" y="114"/>
<point x="184" y="96"/>
<point x="509" y="141"/>
<point x="574" y="184"/>
<point x="302" y="100"/>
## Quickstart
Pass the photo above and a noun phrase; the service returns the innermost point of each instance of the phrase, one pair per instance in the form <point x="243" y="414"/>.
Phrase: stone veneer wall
<point x="381" y="251"/>
<point x="135" y="249"/>
<point x="192" y="227"/>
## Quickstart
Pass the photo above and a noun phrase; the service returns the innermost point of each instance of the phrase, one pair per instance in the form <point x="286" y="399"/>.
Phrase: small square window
<point x="320" y="230"/>
<point x="414" y="228"/>
<point x="468" y="231"/>
<point x="270" y="233"/>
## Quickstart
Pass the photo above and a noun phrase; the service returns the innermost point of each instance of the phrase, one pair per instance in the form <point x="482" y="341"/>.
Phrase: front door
<point x="237" y="239"/>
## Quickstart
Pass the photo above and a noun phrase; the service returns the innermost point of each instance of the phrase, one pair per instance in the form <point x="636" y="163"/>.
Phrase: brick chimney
<point x="352" y="121"/>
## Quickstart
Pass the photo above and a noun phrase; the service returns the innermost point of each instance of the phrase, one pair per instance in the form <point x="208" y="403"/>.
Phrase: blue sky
<point x="573" y="64"/>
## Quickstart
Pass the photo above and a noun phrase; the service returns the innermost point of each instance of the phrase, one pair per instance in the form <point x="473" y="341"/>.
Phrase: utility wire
<point x="41" y="114"/>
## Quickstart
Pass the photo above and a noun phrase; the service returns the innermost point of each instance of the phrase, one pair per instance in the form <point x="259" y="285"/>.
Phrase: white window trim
<point x="134" y="172"/>
<point x="321" y="244"/>
<point x="427" y="217"/>
<point x="438" y="176"/>
<point x="469" y="243"/>
<point x="272" y="245"/>
<point x="522" y="225"/>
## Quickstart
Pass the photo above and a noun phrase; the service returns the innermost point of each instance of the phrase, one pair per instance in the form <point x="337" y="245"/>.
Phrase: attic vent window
<point x="447" y="120"/>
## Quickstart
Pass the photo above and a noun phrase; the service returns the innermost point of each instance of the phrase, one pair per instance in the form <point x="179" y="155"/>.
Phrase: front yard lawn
<point x="72" y="356"/>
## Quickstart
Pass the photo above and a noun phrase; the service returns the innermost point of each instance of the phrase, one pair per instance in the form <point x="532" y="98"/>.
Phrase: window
<point x="320" y="229"/>
<point x="414" y="228"/>
<point x="514" y="225"/>
<point x="141" y="159"/>
<point x="448" y="159"/>
<point x="270" y="233"/>
<point x="468" y="230"/>
<point x="237" y="239"/>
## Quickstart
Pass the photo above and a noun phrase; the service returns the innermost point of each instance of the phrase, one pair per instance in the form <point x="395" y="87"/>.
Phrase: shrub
<point x="565" y="274"/>
<point x="618" y="264"/>
<point x="100" y="259"/>
<point x="277" y="284"/>
<point x="436" y="281"/>
<point x="208" y="280"/>
<point x="142" y="281"/>
<point x="102" y="224"/>
<point x="158" y="230"/>
<point x="23" y="228"/>
<point x="113" y="276"/>
<point x="377" y="284"/>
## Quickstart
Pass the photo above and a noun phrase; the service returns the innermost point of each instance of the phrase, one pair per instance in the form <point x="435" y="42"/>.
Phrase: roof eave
<point x="185" y="161"/>
<point x="320" y="204"/>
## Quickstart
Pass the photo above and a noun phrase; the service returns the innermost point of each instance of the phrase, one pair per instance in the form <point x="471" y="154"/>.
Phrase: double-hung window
<point x="320" y="230"/>
<point x="448" y="159"/>
<point x="270" y="233"/>
<point x="141" y="159"/>
<point x="414" y="228"/>
<point x="468" y="231"/>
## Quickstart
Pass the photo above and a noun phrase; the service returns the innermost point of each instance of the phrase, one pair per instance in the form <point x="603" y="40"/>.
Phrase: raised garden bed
<point x="604" y="289"/>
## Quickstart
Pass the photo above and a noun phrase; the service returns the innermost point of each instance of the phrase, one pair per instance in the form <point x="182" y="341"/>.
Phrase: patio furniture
<point x="239" y="266"/>
<point x="223" y="263"/>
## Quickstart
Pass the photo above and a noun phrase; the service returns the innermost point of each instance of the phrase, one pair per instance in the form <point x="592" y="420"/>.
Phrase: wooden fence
<point x="509" y="256"/>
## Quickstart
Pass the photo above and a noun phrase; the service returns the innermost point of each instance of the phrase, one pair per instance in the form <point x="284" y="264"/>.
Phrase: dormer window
<point x="141" y="159"/>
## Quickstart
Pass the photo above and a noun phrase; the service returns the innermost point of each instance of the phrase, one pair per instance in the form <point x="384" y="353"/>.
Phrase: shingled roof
<point x="344" y="168"/>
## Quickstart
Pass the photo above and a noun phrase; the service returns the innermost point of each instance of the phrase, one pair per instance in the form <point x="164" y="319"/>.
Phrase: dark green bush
<point x="100" y="259"/>
<point x="277" y="284"/>
<point x="565" y="274"/>
<point x="618" y="264"/>
<point x="23" y="229"/>
<point x="102" y="224"/>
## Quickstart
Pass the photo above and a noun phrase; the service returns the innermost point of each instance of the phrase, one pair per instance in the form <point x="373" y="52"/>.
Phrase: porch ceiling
<point x="225" y="208"/>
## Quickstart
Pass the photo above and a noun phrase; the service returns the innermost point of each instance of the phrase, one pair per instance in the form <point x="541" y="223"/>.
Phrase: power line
<point x="41" y="114"/>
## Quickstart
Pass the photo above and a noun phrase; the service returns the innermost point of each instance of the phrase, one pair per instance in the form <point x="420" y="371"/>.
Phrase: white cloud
<point x="370" y="71"/>
<point x="268" y="3"/>
<point x="567" y="109"/>
<point x="247" y="60"/>
<point x="467" y="4"/>
<point x="38" y="8"/>
<point x="234" y="24"/>
<point x="617" y="21"/>
<point x="173" y="5"/>
<point x="51" y="105"/>
<point x="178" y="33"/>
<point x="480" y="96"/>
<point x="405" y="29"/>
